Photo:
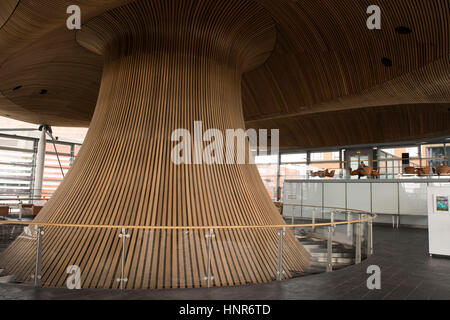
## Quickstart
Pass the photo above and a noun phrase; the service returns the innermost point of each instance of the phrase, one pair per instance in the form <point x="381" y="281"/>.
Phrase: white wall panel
<point x="413" y="198"/>
<point x="384" y="197"/>
<point x="358" y="195"/>
<point x="334" y="195"/>
<point x="292" y="195"/>
<point x="312" y="195"/>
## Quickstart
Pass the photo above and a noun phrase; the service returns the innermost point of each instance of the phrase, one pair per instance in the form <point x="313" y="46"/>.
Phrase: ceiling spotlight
<point x="403" y="30"/>
<point x="386" y="62"/>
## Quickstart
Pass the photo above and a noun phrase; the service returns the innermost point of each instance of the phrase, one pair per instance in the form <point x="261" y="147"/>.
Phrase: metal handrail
<point x="24" y="199"/>
<point x="37" y="276"/>
<point x="371" y="217"/>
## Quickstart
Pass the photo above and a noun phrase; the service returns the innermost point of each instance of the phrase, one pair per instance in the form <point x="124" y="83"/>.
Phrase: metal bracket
<point x="37" y="276"/>
<point x="280" y="271"/>
<point x="330" y="249"/>
<point x="209" y="236"/>
<point x="123" y="235"/>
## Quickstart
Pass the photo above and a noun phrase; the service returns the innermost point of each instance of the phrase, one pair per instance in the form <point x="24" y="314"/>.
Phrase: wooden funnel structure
<point x="167" y="64"/>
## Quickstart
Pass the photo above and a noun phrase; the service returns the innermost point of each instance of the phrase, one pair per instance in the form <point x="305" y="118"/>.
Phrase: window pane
<point x="317" y="156"/>
<point x="295" y="157"/>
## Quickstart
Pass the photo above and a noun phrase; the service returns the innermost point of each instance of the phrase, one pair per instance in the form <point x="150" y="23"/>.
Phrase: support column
<point x="168" y="65"/>
<point x="40" y="162"/>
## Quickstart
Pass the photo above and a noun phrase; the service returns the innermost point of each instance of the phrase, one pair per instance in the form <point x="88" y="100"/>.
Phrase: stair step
<point x="8" y="279"/>
<point x="313" y="270"/>
<point x="342" y="255"/>
<point x="334" y="254"/>
<point x="333" y="259"/>
<point x="323" y="265"/>
<point x="321" y="242"/>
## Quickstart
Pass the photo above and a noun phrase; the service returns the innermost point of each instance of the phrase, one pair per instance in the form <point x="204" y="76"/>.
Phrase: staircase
<point x="342" y="255"/>
<point x="8" y="233"/>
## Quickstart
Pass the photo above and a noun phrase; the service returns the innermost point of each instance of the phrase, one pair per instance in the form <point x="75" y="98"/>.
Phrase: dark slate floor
<point x="407" y="272"/>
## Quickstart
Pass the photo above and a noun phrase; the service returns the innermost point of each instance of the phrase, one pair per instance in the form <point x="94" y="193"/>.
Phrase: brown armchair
<point x="4" y="211"/>
<point x="410" y="170"/>
<point x="279" y="206"/>
<point x="425" y="171"/>
<point x="366" y="171"/>
<point x="376" y="174"/>
<point x="331" y="174"/>
<point x="35" y="210"/>
<point x="443" y="170"/>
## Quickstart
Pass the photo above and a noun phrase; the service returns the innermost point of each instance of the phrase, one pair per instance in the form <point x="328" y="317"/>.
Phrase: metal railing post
<point x="209" y="237"/>
<point x="398" y="203"/>
<point x="330" y="249"/>
<point x="369" y="238"/>
<point x="38" y="269"/>
<point x="292" y="218"/>
<point x="349" y="225"/>
<point x="20" y="210"/>
<point x="358" y="243"/>
<point x="281" y="233"/>
<point x="123" y="235"/>
<point x="314" y="219"/>
<point x="333" y="214"/>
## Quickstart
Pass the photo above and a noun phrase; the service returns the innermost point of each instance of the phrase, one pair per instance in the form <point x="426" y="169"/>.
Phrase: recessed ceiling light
<point x="386" y="62"/>
<point x="403" y="30"/>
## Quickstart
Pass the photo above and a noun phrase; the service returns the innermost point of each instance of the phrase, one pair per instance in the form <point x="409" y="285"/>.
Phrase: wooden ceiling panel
<point x="325" y="59"/>
<point x="7" y="7"/>
<point x="361" y="126"/>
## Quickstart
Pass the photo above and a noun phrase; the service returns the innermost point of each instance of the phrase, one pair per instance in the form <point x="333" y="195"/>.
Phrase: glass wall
<point x="268" y="169"/>
<point x="293" y="166"/>
<point x="391" y="162"/>
<point x="434" y="155"/>
<point x="18" y="164"/>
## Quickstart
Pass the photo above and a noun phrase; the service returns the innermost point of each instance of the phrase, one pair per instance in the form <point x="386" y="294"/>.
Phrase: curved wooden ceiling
<point x="325" y="60"/>
<point x="7" y="7"/>
<point x="156" y="81"/>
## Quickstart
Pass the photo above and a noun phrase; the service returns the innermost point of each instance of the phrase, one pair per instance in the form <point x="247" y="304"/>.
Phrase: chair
<point x="425" y="171"/>
<point x="353" y="172"/>
<point x="376" y="174"/>
<point x="35" y="210"/>
<point x="4" y="211"/>
<point x="279" y="206"/>
<point x="331" y="174"/>
<point x="443" y="170"/>
<point x="410" y="170"/>
<point x="26" y="209"/>
<point x="366" y="171"/>
<point x="322" y="174"/>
